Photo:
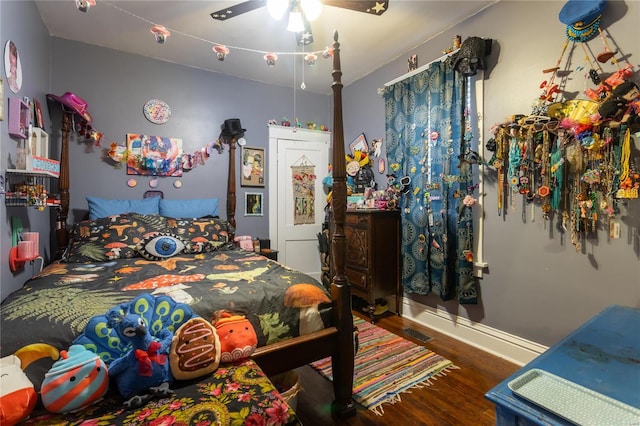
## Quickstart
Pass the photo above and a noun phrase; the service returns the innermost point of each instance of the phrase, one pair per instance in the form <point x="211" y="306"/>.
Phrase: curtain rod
<point x="418" y="70"/>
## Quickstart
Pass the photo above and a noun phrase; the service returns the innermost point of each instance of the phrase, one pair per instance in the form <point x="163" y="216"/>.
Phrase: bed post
<point x="343" y="359"/>
<point x="231" y="185"/>
<point x="62" y="236"/>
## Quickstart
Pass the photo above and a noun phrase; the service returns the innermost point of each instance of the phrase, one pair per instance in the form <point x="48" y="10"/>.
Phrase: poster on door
<point x="304" y="197"/>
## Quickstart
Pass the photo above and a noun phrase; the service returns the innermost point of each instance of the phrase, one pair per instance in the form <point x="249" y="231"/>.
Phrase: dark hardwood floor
<point x="455" y="399"/>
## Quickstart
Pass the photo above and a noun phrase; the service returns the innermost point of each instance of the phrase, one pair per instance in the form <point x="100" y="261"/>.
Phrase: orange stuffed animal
<point x="238" y="339"/>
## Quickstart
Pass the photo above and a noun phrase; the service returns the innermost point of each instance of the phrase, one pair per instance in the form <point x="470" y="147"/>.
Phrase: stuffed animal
<point x="195" y="350"/>
<point x="144" y="324"/>
<point x="17" y="395"/>
<point x="238" y="339"/>
<point x="78" y="379"/>
<point x="143" y="372"/>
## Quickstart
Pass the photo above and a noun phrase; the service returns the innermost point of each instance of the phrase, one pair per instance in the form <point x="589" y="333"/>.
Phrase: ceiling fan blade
<point x="372" y="7"/>
<point x="304" y="38"/>
<point x="238" y="9"/>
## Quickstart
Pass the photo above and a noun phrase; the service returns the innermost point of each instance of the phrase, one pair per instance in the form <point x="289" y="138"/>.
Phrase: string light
<point x="161" y="33"/>
<point x="326" y="53"/>
<point x="85" y="5"/>
<point x="221" y="51"/>
<point x="271" y="59"/>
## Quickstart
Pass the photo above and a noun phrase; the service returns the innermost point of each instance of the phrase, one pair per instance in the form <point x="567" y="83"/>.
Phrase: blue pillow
<point x="189" y="208"/>
<point x="100" y="207"/>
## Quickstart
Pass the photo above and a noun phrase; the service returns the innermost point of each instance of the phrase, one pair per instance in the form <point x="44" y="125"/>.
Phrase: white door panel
<point x="297" y="244"/>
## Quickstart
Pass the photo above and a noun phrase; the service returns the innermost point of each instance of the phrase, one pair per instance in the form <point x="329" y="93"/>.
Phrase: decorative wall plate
<point x="157" y="111"/>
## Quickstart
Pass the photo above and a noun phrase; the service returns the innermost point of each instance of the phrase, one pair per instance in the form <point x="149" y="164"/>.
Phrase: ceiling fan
<point x="295" y="7"/>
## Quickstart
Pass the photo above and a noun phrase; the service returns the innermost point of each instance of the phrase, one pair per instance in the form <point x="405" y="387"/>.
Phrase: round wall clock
<point x="157" y="111"/>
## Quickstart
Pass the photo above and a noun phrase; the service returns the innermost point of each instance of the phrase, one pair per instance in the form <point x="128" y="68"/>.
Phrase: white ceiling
<point x="367" y="41"/>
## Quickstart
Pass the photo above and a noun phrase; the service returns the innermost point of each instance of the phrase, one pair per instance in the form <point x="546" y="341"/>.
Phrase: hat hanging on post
<point x="232" y="127"/>
<point x="74" y="103"/>
<point x="582" y="18"/>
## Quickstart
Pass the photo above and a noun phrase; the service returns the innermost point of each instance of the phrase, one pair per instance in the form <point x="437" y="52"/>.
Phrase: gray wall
<point x="537" y="286"/>
<point x="116" y="85"/>
<point x="20" y="22"/>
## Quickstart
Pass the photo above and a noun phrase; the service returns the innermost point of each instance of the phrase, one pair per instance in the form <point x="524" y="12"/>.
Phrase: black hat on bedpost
<point x="232" y="127"/>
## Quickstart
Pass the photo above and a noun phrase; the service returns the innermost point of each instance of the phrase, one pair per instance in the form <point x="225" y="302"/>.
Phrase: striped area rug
<point x="387" y="365"/>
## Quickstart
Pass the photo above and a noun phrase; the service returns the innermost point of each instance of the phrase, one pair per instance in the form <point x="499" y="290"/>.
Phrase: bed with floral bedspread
<point x="114" y="259"/>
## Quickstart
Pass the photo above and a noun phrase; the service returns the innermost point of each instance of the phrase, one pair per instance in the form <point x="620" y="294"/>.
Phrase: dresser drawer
<point x="359" y="280"/>
<point x="356" y="219"/>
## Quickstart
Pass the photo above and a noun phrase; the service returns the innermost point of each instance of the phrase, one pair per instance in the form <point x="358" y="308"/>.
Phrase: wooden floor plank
<point x="454" y="399"/>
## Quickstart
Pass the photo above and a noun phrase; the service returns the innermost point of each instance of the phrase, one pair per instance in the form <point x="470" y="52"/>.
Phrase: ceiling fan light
<point x="277" y="8"/>
<point x="311" y="9"/>
<point x="296" y="24"/>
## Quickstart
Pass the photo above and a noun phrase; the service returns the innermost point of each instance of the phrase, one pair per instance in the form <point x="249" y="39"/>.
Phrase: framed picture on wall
<point x="359" y="144"/>
<point x="252" y="168"/>
<point x="38" y="119"/>
<point x="253" y="204"/>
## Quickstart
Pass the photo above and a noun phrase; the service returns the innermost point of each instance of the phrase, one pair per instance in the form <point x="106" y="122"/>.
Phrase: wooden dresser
<point x="373" y="254"/>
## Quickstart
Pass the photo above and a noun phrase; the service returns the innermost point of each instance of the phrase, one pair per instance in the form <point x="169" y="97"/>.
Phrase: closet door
<point x="290" y="152"/>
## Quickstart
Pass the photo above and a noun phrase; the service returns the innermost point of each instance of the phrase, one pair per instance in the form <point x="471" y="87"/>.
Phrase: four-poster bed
<point x="273" y="356"/>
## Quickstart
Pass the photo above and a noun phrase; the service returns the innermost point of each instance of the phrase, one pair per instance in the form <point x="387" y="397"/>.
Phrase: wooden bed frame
<point x="336" y="341"/>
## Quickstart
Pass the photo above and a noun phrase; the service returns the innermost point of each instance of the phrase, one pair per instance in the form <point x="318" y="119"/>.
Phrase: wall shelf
<point x="29" y="189"/>
<point x="17" y="263"/>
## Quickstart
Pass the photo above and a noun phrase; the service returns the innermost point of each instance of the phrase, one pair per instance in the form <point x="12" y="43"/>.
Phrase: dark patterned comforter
<point x="55" y="306"/>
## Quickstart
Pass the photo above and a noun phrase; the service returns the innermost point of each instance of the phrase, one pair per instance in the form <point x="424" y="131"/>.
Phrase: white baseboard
<point x="504" y="345"/>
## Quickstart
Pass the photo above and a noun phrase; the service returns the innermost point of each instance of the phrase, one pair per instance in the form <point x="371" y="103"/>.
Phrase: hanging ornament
<point x="161" y="33"/>
<point x="310" y="58"/>
<point x="84" y="5"/>
<point x="271" y="59"/>
<point x="327" y="53"/>
<point x="221" y="51"/>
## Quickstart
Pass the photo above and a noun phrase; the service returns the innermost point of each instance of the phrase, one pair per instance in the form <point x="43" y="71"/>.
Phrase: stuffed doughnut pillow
<point x="195" y="350"/>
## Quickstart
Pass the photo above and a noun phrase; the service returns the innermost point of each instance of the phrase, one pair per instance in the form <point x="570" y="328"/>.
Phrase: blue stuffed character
<point x="142" y="373"/>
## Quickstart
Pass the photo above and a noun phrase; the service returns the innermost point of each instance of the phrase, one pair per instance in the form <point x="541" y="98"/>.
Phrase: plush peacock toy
<point x="143" y="372"/>
<point x="134" y="340"/>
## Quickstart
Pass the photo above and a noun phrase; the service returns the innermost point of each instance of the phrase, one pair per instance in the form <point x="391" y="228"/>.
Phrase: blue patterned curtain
<point x="428" y="142"/>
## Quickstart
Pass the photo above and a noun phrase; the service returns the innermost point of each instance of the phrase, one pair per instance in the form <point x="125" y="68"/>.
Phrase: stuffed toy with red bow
<point x="142" y="373"/>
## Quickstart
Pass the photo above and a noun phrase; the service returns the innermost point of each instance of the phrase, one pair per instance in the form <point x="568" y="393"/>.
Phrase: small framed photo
<point x="253" y="204"/>
<point x="39" y="120"/>
<point x="252" y="168"/>
<point x="359" y="144"/>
